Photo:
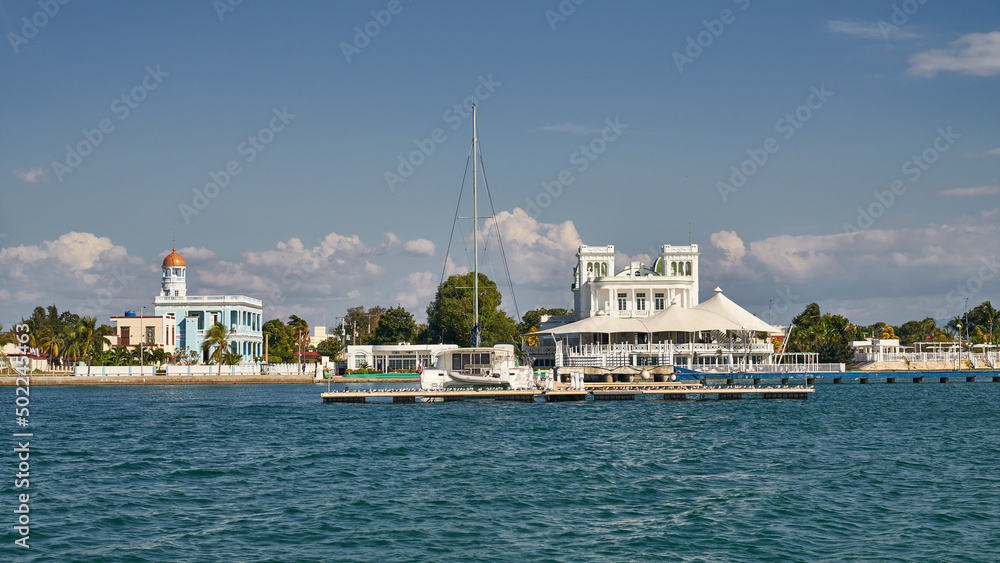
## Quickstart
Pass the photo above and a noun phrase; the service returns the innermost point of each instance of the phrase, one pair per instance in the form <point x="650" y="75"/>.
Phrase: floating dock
<point x="673" y="392"/>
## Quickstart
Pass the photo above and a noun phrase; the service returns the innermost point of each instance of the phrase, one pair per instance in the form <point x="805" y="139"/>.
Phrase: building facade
<point x="637" y="290"/>
<point x="181" y="320"/>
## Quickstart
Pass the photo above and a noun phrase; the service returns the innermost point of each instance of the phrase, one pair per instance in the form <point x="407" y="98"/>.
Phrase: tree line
<point x="830" y="335"/>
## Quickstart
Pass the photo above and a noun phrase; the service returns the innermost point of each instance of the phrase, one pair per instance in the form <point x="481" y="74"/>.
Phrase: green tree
<point x="394" y="326"/>
<point x="449" y="315"/>
<point x="217" y="339"/>
<point x="361" y="323"/>
<point x="532" y="320"/>
<point x="331" y="348"/>
<point x="280" y="341"/>
<point x="300" y="333"/>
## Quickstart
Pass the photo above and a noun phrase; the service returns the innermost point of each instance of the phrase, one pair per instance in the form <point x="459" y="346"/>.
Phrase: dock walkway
<point x="671" y="392"/>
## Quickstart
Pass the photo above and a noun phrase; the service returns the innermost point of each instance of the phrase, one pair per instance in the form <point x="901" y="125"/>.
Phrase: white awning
<point x="725" y="307"/>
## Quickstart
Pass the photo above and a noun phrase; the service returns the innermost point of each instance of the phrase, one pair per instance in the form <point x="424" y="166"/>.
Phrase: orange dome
<point x="173" y="259"/>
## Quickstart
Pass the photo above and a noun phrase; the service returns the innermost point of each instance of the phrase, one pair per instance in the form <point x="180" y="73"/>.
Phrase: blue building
<point x="187" y="318"/>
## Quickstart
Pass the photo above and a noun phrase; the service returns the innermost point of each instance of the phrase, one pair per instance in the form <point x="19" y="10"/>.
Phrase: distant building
<point x="394" y="357"/>
<point x="641" y="315"/>
<point x="181" y="320"/>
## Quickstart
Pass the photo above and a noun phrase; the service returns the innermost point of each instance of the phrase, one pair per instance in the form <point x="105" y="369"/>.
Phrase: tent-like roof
<point x="598" y="324"/>
<point x="679" y="319"/>
<point x="717" y="313"/>
<point x="725" y="307"/>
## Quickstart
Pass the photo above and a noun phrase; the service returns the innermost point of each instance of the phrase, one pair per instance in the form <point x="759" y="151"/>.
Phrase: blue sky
<point x="311" y="104"/>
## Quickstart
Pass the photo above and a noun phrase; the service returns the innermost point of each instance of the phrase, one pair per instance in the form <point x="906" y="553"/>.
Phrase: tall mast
<point x="476" y="340"/>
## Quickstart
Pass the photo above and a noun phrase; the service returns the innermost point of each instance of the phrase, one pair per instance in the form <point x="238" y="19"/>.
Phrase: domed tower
<point x="174" y="276"/>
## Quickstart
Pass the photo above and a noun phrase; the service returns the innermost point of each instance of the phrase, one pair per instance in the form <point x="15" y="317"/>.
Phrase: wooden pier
<point x="596" y="392"/>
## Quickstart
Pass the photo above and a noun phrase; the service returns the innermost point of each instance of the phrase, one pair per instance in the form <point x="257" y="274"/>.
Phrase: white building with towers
<point x="643" y="316"/>
<point x="636" y="290"/>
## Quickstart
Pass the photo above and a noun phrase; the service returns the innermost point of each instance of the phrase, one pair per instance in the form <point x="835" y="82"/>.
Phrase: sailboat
<point x="479" y="366"/>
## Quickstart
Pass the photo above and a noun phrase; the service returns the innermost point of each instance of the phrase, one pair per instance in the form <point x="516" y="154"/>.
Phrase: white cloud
<point x="78" y="271"/>
<point x="732" y="247"/>
<point x="881" y="30"/>
<point x="890" y="275"/>
<point x="419" y="247"/>
<point x="981" y="190"/>
<point x="36" y="175"/>
<point x="976" y="53"/>
<point x="417" y="290"/>
<point x="538" y="253"/>
<point x="994" y="152"/>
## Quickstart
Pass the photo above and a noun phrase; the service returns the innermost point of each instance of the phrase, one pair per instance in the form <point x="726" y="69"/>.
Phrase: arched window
<point x="687" y="269"/>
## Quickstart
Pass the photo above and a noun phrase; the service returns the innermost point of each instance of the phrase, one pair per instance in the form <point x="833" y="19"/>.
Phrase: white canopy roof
<point x="717" y="313"/>
<point x="598" y="324"/>
<point x="724" y="306"/>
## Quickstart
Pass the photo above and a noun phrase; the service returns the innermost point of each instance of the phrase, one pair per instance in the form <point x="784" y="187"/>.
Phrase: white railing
<point x="770" y="368"/>
<point x="200" y="369"/>
<point x="987" y="359"/>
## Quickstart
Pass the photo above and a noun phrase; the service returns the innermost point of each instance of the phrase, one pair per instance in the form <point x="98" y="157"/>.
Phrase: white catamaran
<point x="477" y="366"/>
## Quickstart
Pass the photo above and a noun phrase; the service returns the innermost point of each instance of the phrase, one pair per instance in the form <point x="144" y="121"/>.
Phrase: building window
<point x="640" y="301"/>
<point x="123" y="340"/>
<point x="177" y="293"/>
<point x="622" y="301"/>
<point x="150" y="335"/>
<point x="658" y="298"/>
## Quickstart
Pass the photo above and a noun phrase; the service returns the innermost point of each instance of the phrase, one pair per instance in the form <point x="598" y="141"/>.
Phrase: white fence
<point x="203" y="370"/>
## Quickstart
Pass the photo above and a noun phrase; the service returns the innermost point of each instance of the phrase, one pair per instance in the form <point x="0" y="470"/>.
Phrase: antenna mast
<point x="476" y="341"/>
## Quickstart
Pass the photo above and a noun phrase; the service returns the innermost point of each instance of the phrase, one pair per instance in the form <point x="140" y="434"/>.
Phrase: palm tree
<point x="300" y="331"/>
<point x="52" y="341"/>
<point x="217" y="336"/>
<point x="6" y="338"/>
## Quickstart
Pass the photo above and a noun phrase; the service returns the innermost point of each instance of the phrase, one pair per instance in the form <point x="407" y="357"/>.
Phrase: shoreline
<point x="48" y="380"/>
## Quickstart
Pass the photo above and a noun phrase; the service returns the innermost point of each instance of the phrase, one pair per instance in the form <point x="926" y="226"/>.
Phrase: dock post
<point x="730" y="381"/>
<point x="784" y="381"/>
<point x="996" y="379"/>
<point x="838" y="380"/>
<point x="970" y="379"/>
<point x="918" y="379"/>
<point x="890" y="380"/>
<point x="756" y="381"/>
<point x="944" y="380"/>
<point x="810" y="381"/>
<point x="864" y="380"/>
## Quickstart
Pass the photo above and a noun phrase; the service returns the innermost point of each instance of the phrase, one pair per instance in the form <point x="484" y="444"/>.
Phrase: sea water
<point x="905" y="472"/>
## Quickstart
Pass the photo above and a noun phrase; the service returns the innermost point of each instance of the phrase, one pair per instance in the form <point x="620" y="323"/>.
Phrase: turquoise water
<point x="269" y="473"/>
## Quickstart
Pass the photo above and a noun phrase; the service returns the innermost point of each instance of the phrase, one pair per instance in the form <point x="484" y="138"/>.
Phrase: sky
<point x="311" y="154"/>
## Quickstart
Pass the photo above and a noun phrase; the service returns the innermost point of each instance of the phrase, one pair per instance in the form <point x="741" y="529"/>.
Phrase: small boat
<point x="481" y="366"/>
<point x="478" y="366"/>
